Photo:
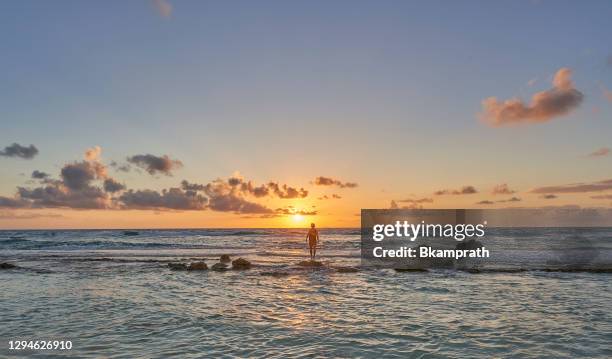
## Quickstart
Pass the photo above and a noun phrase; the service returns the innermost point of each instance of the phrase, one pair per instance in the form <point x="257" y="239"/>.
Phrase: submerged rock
<point x="225" y="258"/>
<point x="197" y="266"/>
<point x="7" y="266"/>
<point x="219" y="267"/>
<point x="241" y="263"/>
<point x="347" y="269"/>
<point x="177" y="266"/>
<point x="310" y="264"/>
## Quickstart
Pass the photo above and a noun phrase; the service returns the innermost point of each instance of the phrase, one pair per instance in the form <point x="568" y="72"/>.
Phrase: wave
<point x="25" y="244"/>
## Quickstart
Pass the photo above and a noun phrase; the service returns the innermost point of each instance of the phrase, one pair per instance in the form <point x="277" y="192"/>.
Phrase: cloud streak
<point x="173" y="198"/>
<point x="463" y="190"/>
<point x="603" y="196"/>
<point x="163" y="7"/>
<point x="576" y="187"/>
<point x="36" y="174"/>
<point x="155" y="164"/>
<point x="18" y="151"/>
<point x="502" y="189"/>
<point x="328" y="181"/>
<point x="549" y="196"/>
<point x="558" y="101"/>
<point x="602" y="152"/>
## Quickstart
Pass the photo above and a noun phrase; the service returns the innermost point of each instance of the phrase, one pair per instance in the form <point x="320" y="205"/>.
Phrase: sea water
<point x="112" y="294"/>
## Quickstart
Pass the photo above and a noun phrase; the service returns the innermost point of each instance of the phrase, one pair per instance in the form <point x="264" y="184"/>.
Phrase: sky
<point x="348" y="104"/>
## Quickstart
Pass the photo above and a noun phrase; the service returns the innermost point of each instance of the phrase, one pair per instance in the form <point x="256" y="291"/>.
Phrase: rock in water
<point x="197" y="266"/>
<point x="347" y="269"/>
<point x="241" y="263"/>
<point x="219" y="267"/>
<point x="224" y="258"/>
<point x="310" y="264"/>
<point x="7" y="266"/>
<point x="130" y="233"/>
<point x="177" y="266"/>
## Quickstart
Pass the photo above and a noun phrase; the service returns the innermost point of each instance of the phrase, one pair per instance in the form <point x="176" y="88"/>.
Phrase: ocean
<point x="112" y="294"/>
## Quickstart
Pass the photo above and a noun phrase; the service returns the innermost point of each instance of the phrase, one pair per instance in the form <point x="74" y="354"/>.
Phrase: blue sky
<point x="383" y="93"/>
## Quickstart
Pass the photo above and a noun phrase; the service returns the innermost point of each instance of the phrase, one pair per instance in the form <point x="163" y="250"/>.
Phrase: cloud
<point x="607" y="94"/>
<point x="290" y="210"/>
<point x="603" y="196"/>
<point x="602" y="152"/>
<point x="93" y="154"/>
<point x="487" y="202"/>
<point x="412" y="203"/>
<point x="222" y="195"/>
<point x="86" y="185"/>
<point x="463" y="190"/>
<point x="17" y="150"/>
<point x="155" y="164"/>
<point x="112" y="186"/>
<point x="78" y="175"/>
<point x="192" y="186"/>
<point x="120" y="167"/>
<point x="544" y="106"/>
<point x="576" y="187"/>
<point x="549" y="196"/>
<point x="228" y="196"/>
<point x="173" y="198"/>
<point x="17" y="216"/>
<point x="6" y="202"/>
<point x="75" y="188"/>
<point x="513" y="199"/>
<point x="163" y="7"/>
<point x="36" y="174"/>
<point x="327" y="181"/>
<point x="235" y="204"/>
<point x="416" y="200"/>
<point x="326" y="197"/>
<point x="238" y="184"/>
<point x="502" y="189"/>
<point x="287" y="192"/>
<point x="57" y="195"/>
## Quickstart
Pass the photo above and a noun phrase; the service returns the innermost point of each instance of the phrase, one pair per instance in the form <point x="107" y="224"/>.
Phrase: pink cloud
<point x="602" y="152"/>
<point x="502" y="189"/>
<point x="576" y="187"/>
<point x="544" y="106"/>
<point x="163" y="7"/>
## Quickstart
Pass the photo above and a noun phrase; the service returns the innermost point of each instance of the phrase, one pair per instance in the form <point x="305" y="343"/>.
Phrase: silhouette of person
<point x="313" y="239"/>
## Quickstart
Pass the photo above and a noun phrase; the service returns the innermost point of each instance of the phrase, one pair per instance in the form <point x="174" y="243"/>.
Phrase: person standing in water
<point x="313" y="239"/>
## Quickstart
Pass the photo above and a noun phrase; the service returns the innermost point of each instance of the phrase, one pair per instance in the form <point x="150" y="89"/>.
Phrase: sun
<point x="297" y="217"/>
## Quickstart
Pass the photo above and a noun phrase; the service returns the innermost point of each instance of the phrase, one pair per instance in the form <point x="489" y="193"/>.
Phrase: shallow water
<point x="113" y="296"/>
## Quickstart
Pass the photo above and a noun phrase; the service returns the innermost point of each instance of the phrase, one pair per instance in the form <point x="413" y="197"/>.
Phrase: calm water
<point x="112" y="295"/>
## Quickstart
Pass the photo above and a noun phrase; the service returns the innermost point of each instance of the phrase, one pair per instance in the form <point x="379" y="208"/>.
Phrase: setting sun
<point x="297" y="217"/>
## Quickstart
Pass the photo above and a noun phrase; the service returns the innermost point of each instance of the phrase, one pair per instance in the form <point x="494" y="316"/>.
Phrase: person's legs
<point x="314" y="252"/>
